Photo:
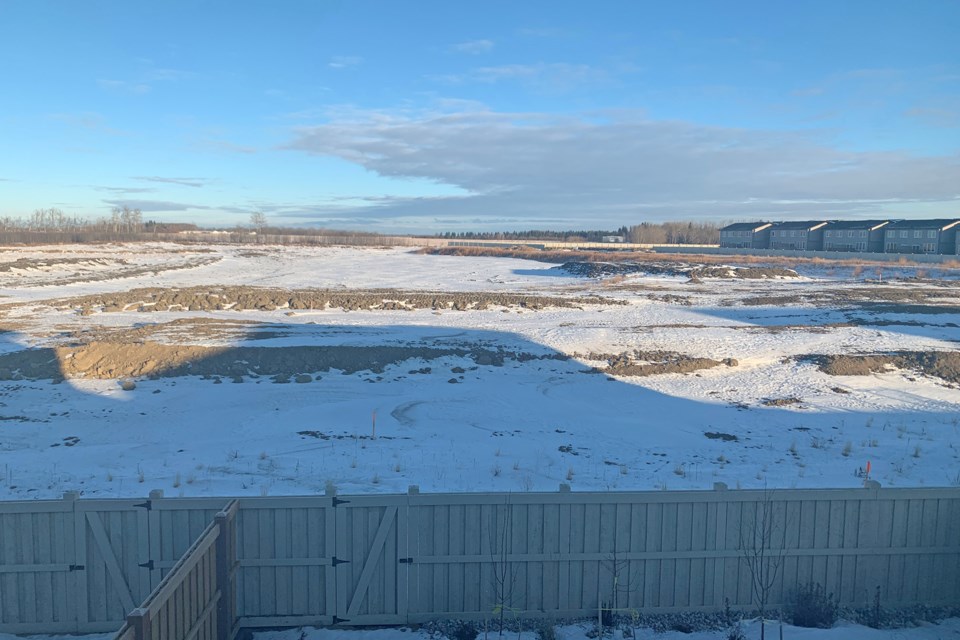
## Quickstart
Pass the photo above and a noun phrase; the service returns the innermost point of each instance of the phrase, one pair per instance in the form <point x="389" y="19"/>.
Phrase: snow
<point x="525" y="426"/>
<point x="843" y="630"/>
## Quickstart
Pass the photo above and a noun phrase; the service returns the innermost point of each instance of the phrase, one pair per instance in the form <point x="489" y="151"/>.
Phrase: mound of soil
<point x="268" y="299"/>
<point x="652" y="363"/>
<point x="694" y="272"/>
<point x="112" y="360"/>
<point x="937" y="364"/>
<point x="43" y="264"/>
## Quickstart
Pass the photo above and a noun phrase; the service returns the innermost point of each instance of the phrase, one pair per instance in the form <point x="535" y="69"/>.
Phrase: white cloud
<point x="556" y="76"/>
<point x="474" y="46"/>
<point x="119" y="86"/>
<point x="621" y="167"/>
<point x="155" y="206"/>
<point x="344" y="62"/>
<point x="183" y="182"/>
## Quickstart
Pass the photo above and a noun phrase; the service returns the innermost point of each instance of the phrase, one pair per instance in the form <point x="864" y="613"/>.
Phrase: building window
<point x="931" y="234"/>
<point x="903" y="234"/>
<point x="849" y="234"/>
<point x="918" y="234"/>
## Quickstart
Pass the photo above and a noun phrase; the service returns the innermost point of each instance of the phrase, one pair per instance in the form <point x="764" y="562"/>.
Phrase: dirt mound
<point x="268" y="299"/>
<point x="938" y="364"/>
<point x="45" y="264"/>
<point x="654" y="363"/>
<point x="112" y="360"/>
<point x="694" y="272"/>
<point x="929" y="300"/>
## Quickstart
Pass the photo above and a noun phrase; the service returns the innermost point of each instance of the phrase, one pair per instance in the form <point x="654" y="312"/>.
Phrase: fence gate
<point x="287" y="562"/>
<point x="371" y="562"/>
<point x="112" y="565"/>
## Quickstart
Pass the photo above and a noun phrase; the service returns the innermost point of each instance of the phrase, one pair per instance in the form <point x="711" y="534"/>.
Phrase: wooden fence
<point x="80" y="565"/>
<point x="195" y="600"/>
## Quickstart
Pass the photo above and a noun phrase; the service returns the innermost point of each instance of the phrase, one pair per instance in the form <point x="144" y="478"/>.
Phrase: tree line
<point x="644" y="233"/>
<point x="125" y="223"/>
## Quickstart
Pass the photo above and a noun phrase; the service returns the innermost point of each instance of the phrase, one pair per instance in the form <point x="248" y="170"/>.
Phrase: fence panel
<point x="38" y="566"/>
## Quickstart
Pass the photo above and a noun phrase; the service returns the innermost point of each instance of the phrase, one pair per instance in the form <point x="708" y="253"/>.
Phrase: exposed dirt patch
<point x="44" y="264"/>
<point x="102" y="269"/>
<point x="780" y="402"/>
<point x="879" y="299"/>
<point x="269" y="299"/>
<point x="694" y="272"/>
<point x="937" y="364"/>
<point x="181" y="330"/>
<point x="717" y="435"/>
<point x="112" y="360"/>
<point x="652" y="363"/>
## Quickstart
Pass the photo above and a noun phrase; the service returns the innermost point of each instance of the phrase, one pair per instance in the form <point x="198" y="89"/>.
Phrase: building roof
<point x="940" y="223"/>
<point x="746" y="226"/>
<point x="857" y="224"/>
<point x="805" y="225"/>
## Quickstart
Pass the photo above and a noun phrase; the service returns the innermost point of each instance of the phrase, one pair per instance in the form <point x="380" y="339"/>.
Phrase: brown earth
<point x="123" y="269"/>
<point x="29" y="264"/>
<point x="937" y="364"/>
<point x="233" y="298"/>
<point x="113" y="360"/>
<point x="917" y="299"/>
<point x="652" y="363"/>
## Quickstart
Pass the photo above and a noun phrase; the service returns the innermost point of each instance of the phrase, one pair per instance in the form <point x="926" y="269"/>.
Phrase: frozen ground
<point x="538" y="414"/>
<point x="843" y="630"/>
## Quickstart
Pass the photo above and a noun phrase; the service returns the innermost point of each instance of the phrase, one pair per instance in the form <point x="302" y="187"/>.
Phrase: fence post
<point x="139" y="620"/>
<point x="226" y="559"/>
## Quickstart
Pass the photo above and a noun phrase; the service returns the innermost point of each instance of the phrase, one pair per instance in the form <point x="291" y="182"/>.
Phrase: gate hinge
<point x="338" y="620"/>
<point x="147" y="565"/>
<point x="337" y="501"/>
<point x="406" y="561"/>
<point x="76" y="567"/>
<point x="146" y="505"/>
<point x="335" y="561"/>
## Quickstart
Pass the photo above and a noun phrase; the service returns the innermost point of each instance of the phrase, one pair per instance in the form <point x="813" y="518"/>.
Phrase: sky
<point x="433" y="115"/>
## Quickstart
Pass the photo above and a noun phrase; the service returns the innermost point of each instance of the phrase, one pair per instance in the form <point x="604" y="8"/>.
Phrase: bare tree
<point x="762" y="549"/>
<point x="258" y="219"/>
<point x="504" y="571"/>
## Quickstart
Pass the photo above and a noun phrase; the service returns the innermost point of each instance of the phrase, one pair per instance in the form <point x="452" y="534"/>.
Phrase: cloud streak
<point x="474" y="47"/>
<point x="621" y="167"/>
<point x="119" y="86"/>
<point x="344" y="62"/>
<point x="155" y="206"/>
<point x="183" y="182"/>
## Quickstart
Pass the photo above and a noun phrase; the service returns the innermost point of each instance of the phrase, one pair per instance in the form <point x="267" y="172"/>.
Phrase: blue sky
<point x="433" y="116"/>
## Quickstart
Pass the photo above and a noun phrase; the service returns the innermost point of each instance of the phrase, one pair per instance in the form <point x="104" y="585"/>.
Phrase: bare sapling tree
<point x="623" y="582"/>
<point x="762" y="549"/>
<point x="505" y="571"/>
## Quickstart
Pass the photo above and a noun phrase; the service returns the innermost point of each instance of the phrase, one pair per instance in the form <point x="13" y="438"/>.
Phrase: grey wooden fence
<point x="196" y="599"/>
<point x="79" y="565"/>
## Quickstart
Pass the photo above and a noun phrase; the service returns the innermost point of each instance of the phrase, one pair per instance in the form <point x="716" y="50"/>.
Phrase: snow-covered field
<point x="537" y="415"/>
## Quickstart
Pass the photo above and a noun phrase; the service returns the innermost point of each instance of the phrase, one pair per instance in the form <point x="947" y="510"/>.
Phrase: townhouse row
<point x="866" y="236"/>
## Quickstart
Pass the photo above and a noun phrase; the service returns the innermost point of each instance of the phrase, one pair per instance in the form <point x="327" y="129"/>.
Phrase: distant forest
<point x="644" y="233"/>
<point x="123" y="223"/>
